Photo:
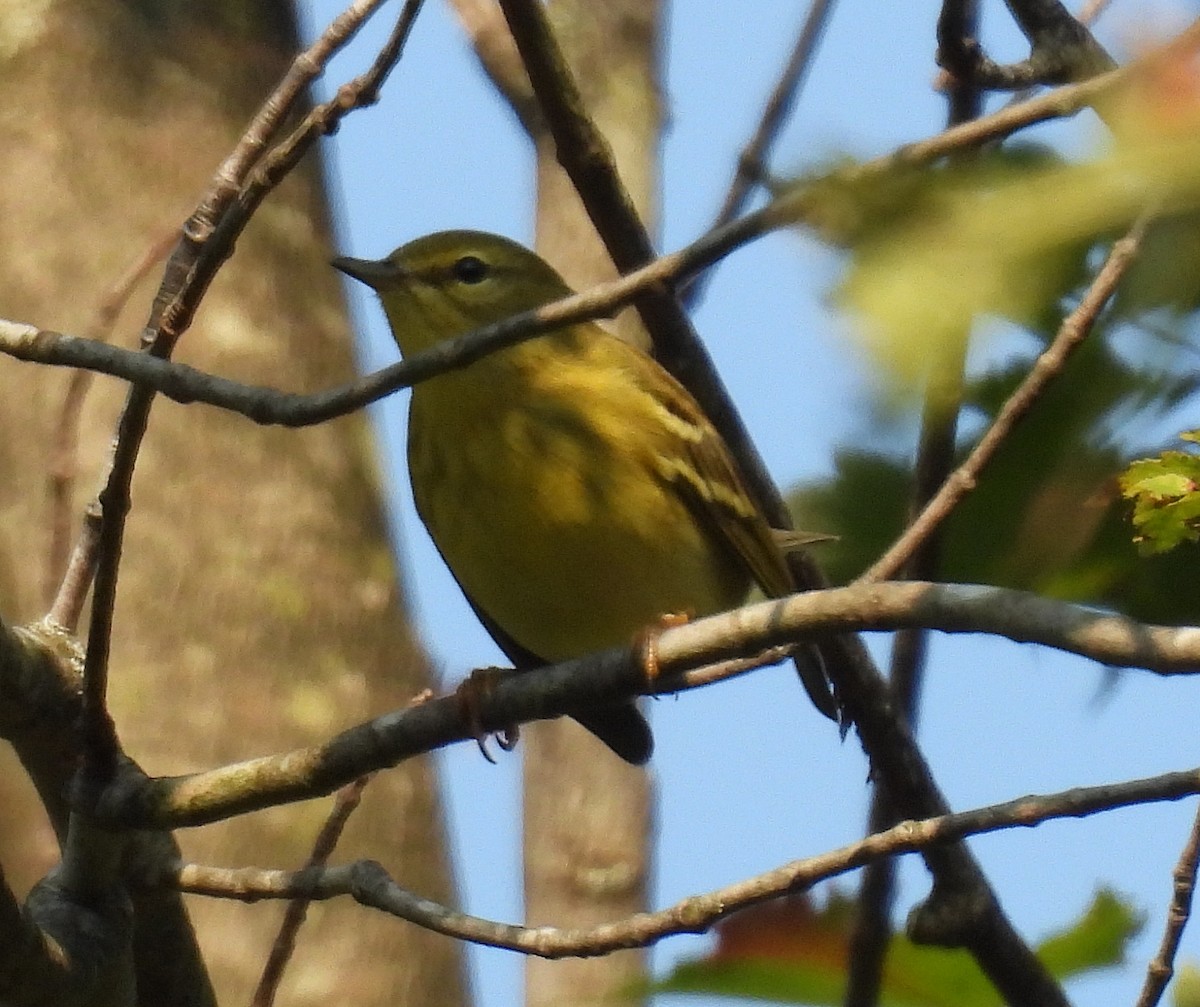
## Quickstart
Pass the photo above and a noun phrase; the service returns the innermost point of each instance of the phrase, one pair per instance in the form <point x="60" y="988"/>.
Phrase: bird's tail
<point x="622" y="728"/>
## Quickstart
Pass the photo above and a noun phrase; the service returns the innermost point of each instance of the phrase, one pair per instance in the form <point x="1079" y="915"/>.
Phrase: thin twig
<point x="65" y="595"/>
<point x="1049" y="364"/>
<point x="752" y="160"/>
<point x="346" y="800"/>
<point x="370" y="884"/>
<point x="871" y="932"/>
<point x="206" y="243"/>
<point x="267" y="171"/>
<point x="1162" y="967"/>
<point x="231" y="176"/>
<point x="262" y="405"/>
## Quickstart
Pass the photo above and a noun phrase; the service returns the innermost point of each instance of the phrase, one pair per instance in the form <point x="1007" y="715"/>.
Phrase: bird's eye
<point x="470" y="269"/>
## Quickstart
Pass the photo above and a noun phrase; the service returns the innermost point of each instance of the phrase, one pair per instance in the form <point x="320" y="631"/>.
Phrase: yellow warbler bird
<point x="574" y="488"/>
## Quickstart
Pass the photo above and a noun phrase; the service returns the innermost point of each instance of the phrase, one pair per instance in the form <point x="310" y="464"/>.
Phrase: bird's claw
<point x="470" y="694"/>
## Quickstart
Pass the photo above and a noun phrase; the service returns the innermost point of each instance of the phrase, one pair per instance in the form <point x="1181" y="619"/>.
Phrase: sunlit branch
<point x="368" y="883"/>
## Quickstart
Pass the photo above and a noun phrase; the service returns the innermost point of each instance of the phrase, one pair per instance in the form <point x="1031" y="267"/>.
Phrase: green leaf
<point x="1166" y="503"/>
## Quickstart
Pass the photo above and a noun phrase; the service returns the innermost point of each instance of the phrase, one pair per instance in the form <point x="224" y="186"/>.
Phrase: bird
<point x="575" y="489"/>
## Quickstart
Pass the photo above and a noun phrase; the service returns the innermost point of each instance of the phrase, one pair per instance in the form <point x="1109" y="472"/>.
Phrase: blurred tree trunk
<point x="587" y="814"/>
<point x="258" y="607"/>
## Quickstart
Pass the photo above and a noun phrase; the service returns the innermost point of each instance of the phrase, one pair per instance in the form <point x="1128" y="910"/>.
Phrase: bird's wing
<point x="706" y="477"/>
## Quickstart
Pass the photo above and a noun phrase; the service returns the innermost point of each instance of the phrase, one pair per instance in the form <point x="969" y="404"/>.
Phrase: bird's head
<point x="446" y="284"/>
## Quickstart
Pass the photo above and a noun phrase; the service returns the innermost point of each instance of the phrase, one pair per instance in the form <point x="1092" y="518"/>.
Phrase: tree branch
<point x="1062" y="49"/>
<point x="67" y="589"/>
<point x="136" y="801"/>
<point x="345" y="802"/>
<point x="368" y="883"/>
<point x="1160" y="970"/>
<point x="1049" y="364"/>
<point x="751" y="162"/>
<point x="262" y="405"/>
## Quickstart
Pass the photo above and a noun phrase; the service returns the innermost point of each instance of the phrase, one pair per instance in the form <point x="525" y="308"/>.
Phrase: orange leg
<point x="646" y="642"/>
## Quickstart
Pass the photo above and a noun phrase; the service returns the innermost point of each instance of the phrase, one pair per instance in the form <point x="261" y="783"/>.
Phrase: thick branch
<point x="173" y="802"/>
<point x="1061" y="49"/>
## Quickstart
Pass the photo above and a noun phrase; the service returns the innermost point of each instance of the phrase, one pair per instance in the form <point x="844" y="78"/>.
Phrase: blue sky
<point x="748" y="775"/>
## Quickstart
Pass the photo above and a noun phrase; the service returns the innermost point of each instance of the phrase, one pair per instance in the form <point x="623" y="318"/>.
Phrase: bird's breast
<point x="556" y="522"/>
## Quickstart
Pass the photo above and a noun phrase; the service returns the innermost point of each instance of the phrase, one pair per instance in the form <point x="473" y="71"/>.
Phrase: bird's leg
<point x="646" y="642"/>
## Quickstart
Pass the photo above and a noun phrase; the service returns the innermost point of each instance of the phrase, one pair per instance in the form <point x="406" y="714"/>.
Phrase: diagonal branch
<point x="262" y="405"/>
<point x="138" y="802"/>
<point x="1160" y="970"/>
<point x="66" y="589"/>
<point x="1049" y="364"/>
<point x="751" y="162"/>
<point x="368" y="883"/>
<point x="585" y="155"/>
<point x="346" y="801"/>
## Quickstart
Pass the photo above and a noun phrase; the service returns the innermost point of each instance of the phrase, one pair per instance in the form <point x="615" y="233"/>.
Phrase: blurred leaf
<point x="916" y="286"/>
<point x="1166" y="273"/>
<point x="1097" y="940"/>
<point x="789" y="951"/>
<point x="1047" y="514"/>
<point x="1005" y="235"/>
<point x="1186" y="990"/>
<point x="785" y="950"/>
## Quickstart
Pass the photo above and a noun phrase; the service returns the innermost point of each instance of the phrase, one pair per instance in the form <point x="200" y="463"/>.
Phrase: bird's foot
<point x="646" y="642"/>
<point x="470" y="695"/>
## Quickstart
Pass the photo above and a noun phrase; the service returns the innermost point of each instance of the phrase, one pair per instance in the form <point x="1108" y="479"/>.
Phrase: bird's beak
<point x="375" y="273"/>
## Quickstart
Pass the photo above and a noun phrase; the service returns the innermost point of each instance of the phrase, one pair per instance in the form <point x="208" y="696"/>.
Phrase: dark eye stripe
<point x="470" y="269"/>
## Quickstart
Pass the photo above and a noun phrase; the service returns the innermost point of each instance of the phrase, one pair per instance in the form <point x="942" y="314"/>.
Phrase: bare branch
<point x="368" y="883"/>
<point x="751" y="162"/>
<point x="497" y="53"/>
<point x="1062" y="49"/>
<point x="345" y="802"/>
<point x="1049" y="364"/>
<point x="138" y="802"/>
<point x="66" y="589"/>
<point x="262" y="405"/>
<point x="1160" y="970"/>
